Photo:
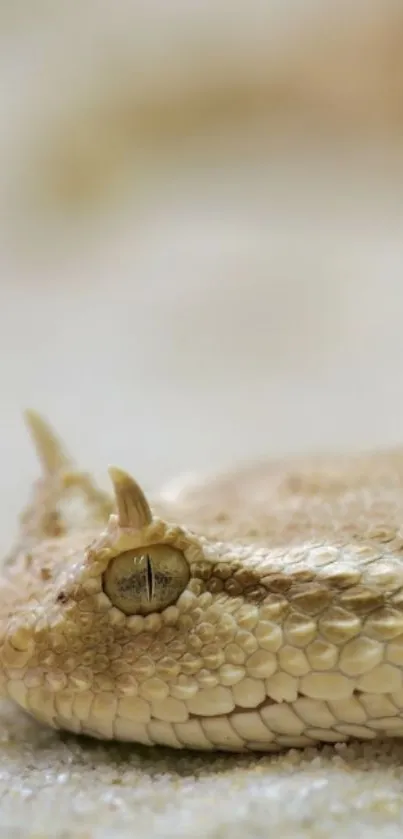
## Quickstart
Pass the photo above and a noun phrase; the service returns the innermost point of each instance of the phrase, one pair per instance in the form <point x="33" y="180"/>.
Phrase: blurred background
<point x="201" y="222"/>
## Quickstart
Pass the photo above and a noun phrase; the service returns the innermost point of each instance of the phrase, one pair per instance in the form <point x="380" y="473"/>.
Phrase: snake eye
<point x="146" y="580"/>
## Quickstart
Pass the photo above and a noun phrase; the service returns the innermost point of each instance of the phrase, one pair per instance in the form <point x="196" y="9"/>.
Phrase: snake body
<point x="288" y="629"/>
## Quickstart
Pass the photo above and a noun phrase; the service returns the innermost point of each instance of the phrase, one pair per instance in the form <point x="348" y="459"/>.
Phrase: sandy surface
<point x="60" y="787"/>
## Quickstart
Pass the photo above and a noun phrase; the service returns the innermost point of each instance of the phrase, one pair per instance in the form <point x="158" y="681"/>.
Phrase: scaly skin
<point x="289" y="630"/>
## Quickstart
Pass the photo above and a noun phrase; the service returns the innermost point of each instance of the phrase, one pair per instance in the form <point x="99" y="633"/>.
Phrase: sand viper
<point x="261" y="609"/>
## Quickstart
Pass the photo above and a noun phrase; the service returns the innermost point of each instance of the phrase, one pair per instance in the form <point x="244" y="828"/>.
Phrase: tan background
<point x="201" y="262"/>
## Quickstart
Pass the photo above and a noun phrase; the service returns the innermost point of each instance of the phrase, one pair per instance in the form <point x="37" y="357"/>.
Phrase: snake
<point x="259" y="609"/>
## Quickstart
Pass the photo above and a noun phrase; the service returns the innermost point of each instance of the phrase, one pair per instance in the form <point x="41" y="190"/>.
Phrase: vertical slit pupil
<point x="149" y="578"/>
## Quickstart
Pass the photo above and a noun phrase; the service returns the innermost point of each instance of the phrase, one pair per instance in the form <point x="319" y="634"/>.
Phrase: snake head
<point x="121" y="625"/>
<point x="103" y="630"/>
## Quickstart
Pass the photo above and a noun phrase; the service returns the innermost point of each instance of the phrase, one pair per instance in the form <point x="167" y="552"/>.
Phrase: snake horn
<point x="133" y="508"/>
<point x="51" y="452"/>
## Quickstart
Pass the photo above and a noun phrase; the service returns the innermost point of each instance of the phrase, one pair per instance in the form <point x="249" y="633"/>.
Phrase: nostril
<point x="62" y="597"/>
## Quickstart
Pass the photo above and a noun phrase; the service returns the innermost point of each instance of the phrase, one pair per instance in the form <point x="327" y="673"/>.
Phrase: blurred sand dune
<point x="103" y="96"/>
<point x="201" y="212"/>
